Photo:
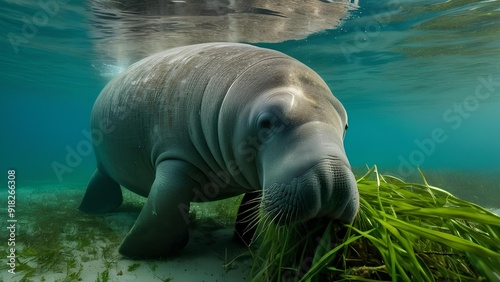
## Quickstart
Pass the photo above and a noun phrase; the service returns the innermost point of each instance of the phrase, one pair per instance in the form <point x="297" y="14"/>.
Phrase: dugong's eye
<point x="272" y="118"/>
<point x="265" y="121"/>
<point x="268" y="124"/>
<point x="265" y="124"/>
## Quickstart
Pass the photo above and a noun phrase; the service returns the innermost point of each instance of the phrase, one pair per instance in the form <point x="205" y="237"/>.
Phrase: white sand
<point x="202" y="260"/>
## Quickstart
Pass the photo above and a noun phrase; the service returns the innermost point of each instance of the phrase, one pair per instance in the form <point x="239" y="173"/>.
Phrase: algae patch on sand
<point x="57" y="242"/>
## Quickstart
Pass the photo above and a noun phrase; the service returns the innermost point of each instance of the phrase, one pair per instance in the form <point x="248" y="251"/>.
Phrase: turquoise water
<point x="420" y="81"/>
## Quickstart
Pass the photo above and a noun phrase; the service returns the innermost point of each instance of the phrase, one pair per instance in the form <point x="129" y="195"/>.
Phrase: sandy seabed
<point x="56" y="242"/>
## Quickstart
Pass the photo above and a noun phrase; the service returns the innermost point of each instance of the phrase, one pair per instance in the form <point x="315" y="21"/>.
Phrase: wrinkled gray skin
<point x="210" y="121"/>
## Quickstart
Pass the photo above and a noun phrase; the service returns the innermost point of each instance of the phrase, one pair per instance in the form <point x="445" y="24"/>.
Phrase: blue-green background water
<point x="420" y="81"/>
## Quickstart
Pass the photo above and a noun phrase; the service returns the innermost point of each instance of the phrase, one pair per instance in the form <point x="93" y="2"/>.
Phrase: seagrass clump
<point x="403" y="232"/>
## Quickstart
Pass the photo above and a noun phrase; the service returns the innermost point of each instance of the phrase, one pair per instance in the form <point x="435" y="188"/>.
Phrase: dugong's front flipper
<point x="162" y="226"/>
<point x="103" y="194"/>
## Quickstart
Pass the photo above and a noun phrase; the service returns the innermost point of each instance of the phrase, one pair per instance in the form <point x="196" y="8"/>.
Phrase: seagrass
<point x="403" y="232"/>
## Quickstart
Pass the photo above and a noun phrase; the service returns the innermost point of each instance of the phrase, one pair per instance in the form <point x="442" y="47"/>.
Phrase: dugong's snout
<point x="306" y="174"/>
<point x="340" y="196"/>
<point x="328" y="189"/>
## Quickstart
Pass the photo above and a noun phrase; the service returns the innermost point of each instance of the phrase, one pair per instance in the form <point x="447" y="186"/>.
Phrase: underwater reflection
<point x="125" y="31"/>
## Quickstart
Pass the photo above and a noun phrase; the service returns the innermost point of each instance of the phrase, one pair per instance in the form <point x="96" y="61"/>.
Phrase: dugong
<point x="210" y="121"/>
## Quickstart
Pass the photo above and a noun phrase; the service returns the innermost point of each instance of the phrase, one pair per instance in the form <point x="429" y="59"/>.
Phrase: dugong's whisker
<point x="276" y="216"/>
<point x="255" y="219"/>
<point x="249" y="217"/>
<point x="254" y="201"/>
<point x="252" y="220"/>
<point x="250" y="227"/>
<point x="253" y="206"/>
<point x="265" y="218"/>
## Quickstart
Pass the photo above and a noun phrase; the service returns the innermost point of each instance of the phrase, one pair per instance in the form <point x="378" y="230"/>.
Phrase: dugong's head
<point x="288" y="141"/>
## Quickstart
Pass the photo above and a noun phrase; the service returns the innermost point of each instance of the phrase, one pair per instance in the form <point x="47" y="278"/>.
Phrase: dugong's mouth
<point x="327" y="189"/>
